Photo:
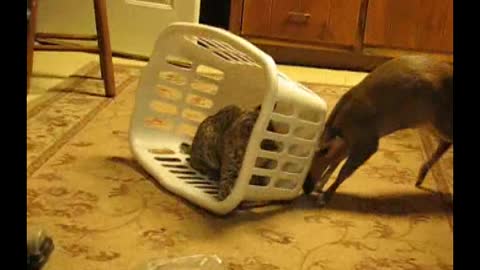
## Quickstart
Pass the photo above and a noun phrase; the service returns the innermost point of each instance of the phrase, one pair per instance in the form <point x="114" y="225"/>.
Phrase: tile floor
<point x="49" y="68"/>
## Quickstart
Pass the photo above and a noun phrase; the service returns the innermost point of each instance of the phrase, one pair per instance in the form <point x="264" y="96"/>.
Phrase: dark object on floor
<point x="39" y="248"/>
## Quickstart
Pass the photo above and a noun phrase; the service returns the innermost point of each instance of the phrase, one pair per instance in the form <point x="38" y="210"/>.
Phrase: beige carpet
<point x="104" y="212"/>
<point x="65" y="109"/>
<point x="443" y="170"/>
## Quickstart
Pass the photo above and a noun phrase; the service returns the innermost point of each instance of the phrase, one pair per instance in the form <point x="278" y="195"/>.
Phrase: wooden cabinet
<point x="355" y="34"/>
<point x="256" y="16"/>
<point x="420" y="25"/>
<point x="312" y="21"/>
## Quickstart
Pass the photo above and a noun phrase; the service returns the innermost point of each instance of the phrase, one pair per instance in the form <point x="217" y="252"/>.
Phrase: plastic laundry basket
<point x="194" y="71"/>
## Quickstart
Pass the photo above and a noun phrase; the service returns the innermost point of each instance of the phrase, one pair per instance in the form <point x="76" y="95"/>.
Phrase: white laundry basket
<point x="194" y="71"/>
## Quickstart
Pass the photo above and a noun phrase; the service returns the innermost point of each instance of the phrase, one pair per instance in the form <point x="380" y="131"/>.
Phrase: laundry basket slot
<point x="204" y="87"/>
<point x="260" y="180"/>
<point x="175" y="166"/>
<point x="183" y="172"/>
<point x="222" y="50"/>
<point x="168" y="159"/>
<point x="300" y="150"/>
<point x="266" y="145"/>
<point x="287" y="184"/>
<point x="284" y="108"/>
<point x="291" y="167"/>
<point x="179" y="62"/>
<point x="266" y="163"/>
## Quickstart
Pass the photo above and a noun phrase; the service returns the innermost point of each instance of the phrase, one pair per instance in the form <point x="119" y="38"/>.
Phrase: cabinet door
<point x="256" y="18"/>
<point x="318" y="21"/>
<point x="323" y="21"/>
<point x="421" y="25"/>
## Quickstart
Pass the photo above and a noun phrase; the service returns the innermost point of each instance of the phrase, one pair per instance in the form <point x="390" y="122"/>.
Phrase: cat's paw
<point x="224" y="189"/>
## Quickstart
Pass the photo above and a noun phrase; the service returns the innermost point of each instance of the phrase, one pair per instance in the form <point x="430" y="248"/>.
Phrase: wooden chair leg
<point x="31" y="28"/>
<point x="106" y="64"/>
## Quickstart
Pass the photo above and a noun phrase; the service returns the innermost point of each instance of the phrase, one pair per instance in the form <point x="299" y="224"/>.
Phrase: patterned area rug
<point x="443" y="170"/>
<point x="64" y="110"/>
<point x="104" y="212"/>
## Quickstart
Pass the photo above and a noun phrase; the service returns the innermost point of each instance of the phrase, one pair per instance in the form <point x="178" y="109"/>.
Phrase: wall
<point x="133" y="28"/>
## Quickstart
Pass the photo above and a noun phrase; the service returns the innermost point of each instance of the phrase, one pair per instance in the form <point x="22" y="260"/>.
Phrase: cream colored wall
<point x="66" y="16"/>
<point x="133" y="28"/>
<point x="136" y="28"/>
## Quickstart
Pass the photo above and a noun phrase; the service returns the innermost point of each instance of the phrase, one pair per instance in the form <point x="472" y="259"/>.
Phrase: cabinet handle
<point x="298" y="17"/>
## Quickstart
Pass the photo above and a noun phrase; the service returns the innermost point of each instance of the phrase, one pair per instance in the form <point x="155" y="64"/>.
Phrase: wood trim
<point x="392" y="49"/>
<point x="67" y="48"/>
<point x="32" y="23"/>
<point x="131" y="56"/>
<point x="48" y="41"/>
<point x="392" y="53"/>
<point x="106" y="63"/>
<point x="362" y="22"/>
<point x="66" y="36"/>
<point x="308" y="55"/>
<point x="236" y="15"/>
<point x="70" y="45"/>
<point x="366" y="59"/>
<point x="299" y="44"/>
<point x="320" y="57"/>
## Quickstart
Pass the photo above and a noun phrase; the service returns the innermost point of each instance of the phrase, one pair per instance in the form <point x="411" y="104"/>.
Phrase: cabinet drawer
<point x="318" y="21"/>
<point x="324" y="21"/>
